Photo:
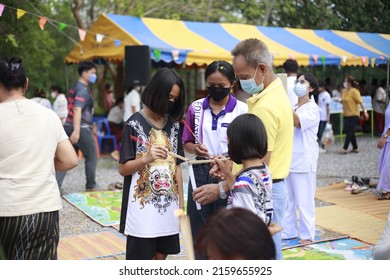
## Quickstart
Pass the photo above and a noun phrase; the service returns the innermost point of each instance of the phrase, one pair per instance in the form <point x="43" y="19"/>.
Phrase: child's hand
<point x="201" y="150"/>
<point x="225" y="166"/>
<point x="274" y="228"/>
<point x="156" y="152"/>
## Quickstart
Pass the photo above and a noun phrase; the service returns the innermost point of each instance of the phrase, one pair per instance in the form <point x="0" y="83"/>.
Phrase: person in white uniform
<point x="290" y="67"/>
<point x="301" y="181"/>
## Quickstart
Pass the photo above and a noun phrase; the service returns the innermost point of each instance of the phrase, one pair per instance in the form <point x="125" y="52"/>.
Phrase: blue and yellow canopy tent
<point x="199" y="43"/>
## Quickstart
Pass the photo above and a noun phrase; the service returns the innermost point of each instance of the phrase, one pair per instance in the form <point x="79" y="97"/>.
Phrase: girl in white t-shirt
<point x="301" y="181"/>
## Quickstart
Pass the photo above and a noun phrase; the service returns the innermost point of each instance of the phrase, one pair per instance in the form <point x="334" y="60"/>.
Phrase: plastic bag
<point x="327" y="137"/>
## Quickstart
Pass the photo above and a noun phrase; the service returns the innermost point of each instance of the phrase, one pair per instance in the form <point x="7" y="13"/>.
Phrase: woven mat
<point x="361" y="216"/>
<point x="340" y="249"/>
<point x="103" y="207"/>
<point x="102" y="245"/>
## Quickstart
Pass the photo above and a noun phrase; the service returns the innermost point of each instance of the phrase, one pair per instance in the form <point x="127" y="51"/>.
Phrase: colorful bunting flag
<point x="117" y="42"/>
<point x="315" y="58"/>
<point x="344" y="58"/>
<point x="99" y="38"/>
<point x="62" y="26"/>
<point x="175" y="54"/>
<point x="364" y="60"/>
<point x="323" y="60"/>
<point x="372" y="62"/>
<point x="1" y="9"/>
<point x="82" y="34"/>
<point x="42" y="22"/>
<point x="291" y="56"/>
<point x="157" y="54"/>
<point x="20" y="13"/>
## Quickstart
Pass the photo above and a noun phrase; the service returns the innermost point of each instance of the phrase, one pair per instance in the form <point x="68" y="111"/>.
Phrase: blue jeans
<point x="199" y="217"/>
<point x="86" y="144"/>
<point x="279" y="197"/>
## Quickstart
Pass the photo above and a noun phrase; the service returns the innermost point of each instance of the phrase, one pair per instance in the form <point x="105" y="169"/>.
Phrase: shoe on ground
<point x="357" y="191"/>
<point x="384" y="196"/>
<point x="343" y="152"/>
<point x="322" y="151"/>
<point x="355" y="151"/>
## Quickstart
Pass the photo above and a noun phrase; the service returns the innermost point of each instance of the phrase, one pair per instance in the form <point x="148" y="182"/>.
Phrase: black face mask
<point x="218" y="93"/>
<point x="171" y="107"/>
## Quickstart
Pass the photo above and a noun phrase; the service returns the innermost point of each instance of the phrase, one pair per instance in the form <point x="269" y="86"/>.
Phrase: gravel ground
<point x="332" y="168"/>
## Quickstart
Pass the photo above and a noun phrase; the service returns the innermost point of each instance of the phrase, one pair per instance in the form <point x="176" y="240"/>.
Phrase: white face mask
<point x="53" y="94"/>
<point x="345" y="85"/>
<point x="300" y="89"/>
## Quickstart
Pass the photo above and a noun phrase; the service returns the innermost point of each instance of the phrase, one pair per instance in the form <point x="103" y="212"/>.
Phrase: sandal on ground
<point x="384" y="196"/>
<point x="355" y="151"/>
<point x="119" y="186"/>
<point x="305" y="241"/>
<point x="343" y="152"/>
<point x="111" y="187"/>
<point x="357" y="191"/>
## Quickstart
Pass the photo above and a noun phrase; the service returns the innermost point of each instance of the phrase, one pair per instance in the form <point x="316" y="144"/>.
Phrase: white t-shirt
<point x="131" y="99"/>
<point x="60" y="106"/>
<point x="323" y="100"/>
<point x="290" y="90"/>
<point x="29" y="137"/>
<point x="305" y="146"/>
<point x="43" y="101"/>
<point x="115" y="115"/>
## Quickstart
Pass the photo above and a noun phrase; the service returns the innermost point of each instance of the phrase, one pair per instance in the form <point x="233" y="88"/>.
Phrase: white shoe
<point x="322" y="151"/>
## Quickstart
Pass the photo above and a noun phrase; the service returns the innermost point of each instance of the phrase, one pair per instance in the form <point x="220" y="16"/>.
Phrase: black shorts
<point x="139" y="248"/>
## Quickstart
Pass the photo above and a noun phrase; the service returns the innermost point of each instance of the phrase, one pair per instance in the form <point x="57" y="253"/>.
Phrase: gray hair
<point x="254" y="51"/>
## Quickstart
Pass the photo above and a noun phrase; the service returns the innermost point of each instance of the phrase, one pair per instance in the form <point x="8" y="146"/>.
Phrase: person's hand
<point x="74" y="137"/>
<point x="201" y="150"/>
<point x="381" y="142"/>
<point x="156" y="152"/>
<point x="365" y="115"/>
<point x="206" y="194"/>
<point x="222" y="168"/>
<point x="274" y="228"/>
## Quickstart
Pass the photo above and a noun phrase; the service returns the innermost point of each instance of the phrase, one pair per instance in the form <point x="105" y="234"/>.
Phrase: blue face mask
<point x="250" y="85"/>
<point x="300" y="89"/>
<point x="92" y="78"/>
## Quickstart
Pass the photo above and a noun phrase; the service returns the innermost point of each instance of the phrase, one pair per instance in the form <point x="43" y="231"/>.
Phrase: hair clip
<point x="14" y="66"/>
<point x="221" y="67"/>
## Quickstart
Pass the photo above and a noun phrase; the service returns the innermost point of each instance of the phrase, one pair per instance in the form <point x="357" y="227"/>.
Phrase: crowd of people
<point x="254" y="174"/>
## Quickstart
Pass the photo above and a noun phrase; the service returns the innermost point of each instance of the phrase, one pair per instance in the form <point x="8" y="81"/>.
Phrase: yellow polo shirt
<point x="351" y="99"/>
<point x="273" y="107"/>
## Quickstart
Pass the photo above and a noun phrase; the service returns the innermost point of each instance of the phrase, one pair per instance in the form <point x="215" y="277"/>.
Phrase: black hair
<point x="224" y="67"/>
<point x="39" y="92"/>
<point x="56" y="88"/>
<point x="290" y="66"/>
<point x="236" y="233"/>
<point x="12" y="74"/>
<point x="107" y="86"/>
<point x="247" y="138"/>
<point x="119" y="100"/>
<point x="156" y="94"/>
<point x="312" y="79"/>
<point x="321" y="84"/>
<point x="85" y="66"/>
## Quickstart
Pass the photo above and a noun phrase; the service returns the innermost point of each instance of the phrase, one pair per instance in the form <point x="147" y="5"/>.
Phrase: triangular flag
<point x="42" y="22"/>
<point x="82" y="34"/>
<point x="20" y="13"/>
<point x="157" y="54"/>
<point x="117" y="43"/>
<point x="372" y="62"/>
<point x="62" y="26"/>
<point x="1" y="9"/>
<point x="175" y="54"/>
<point x="344" y="58"/>
<point x="381" y="57"/>
<point x="323" y="60"/>
<point x="315" y="58"/>
<point x="364" y="60"/>
<point x="291" y="56"/>
<point x="99" y="38"/>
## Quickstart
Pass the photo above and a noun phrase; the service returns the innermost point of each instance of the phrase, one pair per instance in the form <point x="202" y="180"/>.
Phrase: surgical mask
<point x="92" y="78"/>
<point x="218" y="93"/>
<point x="345" y="85"/>
<point x="250" y="85"/>
<point x="300" y="89"/>
<point x="171" y="107"/>
<point x="53" y="94"/>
